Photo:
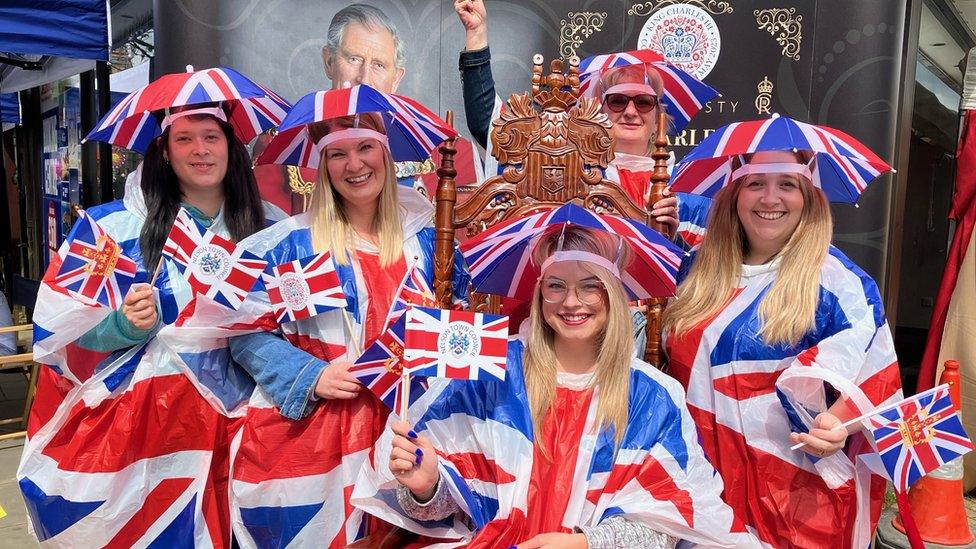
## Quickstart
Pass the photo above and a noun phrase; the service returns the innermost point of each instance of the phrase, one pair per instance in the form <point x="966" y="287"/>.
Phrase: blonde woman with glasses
<point x="582" y="445"/>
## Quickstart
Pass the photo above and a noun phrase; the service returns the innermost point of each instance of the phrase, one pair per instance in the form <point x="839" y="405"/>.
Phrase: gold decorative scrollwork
<point x="764" y="98"/>
<point x="299" y="185"/>
<point x="786" y="28"/>
<point x="715" y="7"/>
<point x="581" y="24"/>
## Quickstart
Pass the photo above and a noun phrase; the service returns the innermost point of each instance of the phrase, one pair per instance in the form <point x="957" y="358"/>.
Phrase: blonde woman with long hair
<point x="324" y="420"/>
<point x="778" y="338"/>
<point x="582" y="445"/>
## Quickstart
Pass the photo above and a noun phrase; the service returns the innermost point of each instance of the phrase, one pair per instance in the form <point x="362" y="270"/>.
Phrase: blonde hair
<point x="616" y="342"/>
<point x="630" y="73"/>
<point x="787" y="311"/>
<point x="330" y="225"/>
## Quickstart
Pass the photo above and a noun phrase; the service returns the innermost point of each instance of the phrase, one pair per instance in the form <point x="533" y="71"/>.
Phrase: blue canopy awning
<point x="9" y="108"/>
<point x="66" y="28"/>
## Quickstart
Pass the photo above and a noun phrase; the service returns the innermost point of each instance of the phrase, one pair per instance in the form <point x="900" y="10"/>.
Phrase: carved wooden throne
<point x="553" y="145"/>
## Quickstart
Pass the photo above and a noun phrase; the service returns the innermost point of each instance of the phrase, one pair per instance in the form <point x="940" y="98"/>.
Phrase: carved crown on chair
<point x="553" y="145"/>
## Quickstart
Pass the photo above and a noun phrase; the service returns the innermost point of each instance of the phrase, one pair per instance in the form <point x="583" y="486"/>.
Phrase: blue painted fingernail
<point x="419" y="452"/>
<point x="419" y="459"/>
<point x="411" y="433"/>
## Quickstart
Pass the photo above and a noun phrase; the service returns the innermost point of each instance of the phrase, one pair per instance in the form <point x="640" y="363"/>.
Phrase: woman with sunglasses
<point x="633" y="113"/>
<point x="581" y="446"/>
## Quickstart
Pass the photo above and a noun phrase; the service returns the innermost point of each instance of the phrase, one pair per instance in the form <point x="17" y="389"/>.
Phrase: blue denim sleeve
<point x="287" y="373"/>
<point x="478" y="90"/>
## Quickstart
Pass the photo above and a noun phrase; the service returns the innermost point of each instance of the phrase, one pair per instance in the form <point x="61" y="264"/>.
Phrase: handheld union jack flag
<point x="456" y="344"/>
<point x="213" y="265"/>
<point x="918" y="435"/>
<point x="304" y="288"/>
<point x="94" y="268"/>
<point x="414" y="291"/>
<point x="380" y="368"/>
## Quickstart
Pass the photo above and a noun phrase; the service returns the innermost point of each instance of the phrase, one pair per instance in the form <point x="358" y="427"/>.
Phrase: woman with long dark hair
<point x="127" y="395"/>
<point x="190" y="164"/>
<point x="199" y="164"/>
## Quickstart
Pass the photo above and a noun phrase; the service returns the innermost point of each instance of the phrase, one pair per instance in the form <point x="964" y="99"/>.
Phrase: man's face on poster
<point x="366" y="55"/>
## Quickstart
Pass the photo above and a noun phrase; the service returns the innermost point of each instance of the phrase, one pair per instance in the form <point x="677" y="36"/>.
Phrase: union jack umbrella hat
<point x="412" y="130"/>
<point x="684" y="95"/>
<point x="843" y="166"/>
<point x="500" y="259"/>
<point x="249" y="107"/>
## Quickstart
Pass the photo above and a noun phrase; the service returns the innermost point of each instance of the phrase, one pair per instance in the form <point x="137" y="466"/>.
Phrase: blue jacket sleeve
<point x="287" y="373"/>
<point x="478" y="90"/>
<point x="115" y="332"/>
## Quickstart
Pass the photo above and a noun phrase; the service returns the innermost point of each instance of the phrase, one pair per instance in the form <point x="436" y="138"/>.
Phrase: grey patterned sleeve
<point x="621" y="533"/>
<point x="442" y="505"/>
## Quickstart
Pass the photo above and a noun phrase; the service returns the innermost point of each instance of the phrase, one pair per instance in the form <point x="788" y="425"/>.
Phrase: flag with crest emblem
<point x="918" y="435"/>
<point x="455" y="344"/>
<point x="94" y="267"/>
<point x="213" y="265"/>
<point x="304" y="288"/>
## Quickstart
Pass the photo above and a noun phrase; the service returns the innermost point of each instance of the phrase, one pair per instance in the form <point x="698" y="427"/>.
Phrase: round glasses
<point x="617" y="102"/>
<point x="555" y="291"/>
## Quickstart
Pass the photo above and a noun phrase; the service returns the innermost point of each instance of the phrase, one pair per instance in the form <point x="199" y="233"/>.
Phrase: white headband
<point x="580" y="255"/>
<point x="785" y="167"/>
<point x="351" y="133"/>
<point x="632" y="87"/>
<point x="171" y="117"/>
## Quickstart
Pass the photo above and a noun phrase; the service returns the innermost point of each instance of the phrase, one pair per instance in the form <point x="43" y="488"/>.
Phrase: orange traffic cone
<point x="936" y="499"/>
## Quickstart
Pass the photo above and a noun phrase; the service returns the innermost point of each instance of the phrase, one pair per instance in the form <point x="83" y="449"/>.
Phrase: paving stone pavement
<point x="13" y="527"/>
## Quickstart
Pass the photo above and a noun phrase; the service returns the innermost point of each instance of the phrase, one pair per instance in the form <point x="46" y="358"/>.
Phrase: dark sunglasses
<point x="617" y="102"/>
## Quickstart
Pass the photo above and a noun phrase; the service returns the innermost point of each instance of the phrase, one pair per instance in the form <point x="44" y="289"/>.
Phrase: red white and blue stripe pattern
<point x="304" y="288"/>
<point x="918" y="435"/>
<point x="746" y="397"/>
<point x="414" y="291"/>
<point x="510" y="491"/>
<point x="214" y="266"/>
<point x="412" y="129"/>
<point x="94" y="269"/>
<point x="500" y="259"/>
<point x="684" y="94"/>
<point x="844" y="166"/>
<point x="251" y="107"/>
<point x="141" y="462"/>
<point x="455" y="344"/>
<point x="380" y="368"/>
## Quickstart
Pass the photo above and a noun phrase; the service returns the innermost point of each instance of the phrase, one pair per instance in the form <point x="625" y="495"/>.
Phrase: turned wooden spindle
<point x="444" y="200"/>
<point x="659" y="177"/>
<point x="659" y="182"/>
